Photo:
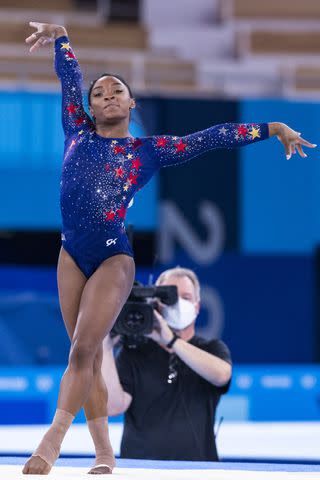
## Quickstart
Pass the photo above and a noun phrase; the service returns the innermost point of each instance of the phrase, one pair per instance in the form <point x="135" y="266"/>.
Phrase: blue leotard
<point x="101" y="175"/>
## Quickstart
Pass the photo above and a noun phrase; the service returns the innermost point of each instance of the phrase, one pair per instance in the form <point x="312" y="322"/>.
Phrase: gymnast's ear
<point x="91" y="112"/>
<point x="132" y="104"/>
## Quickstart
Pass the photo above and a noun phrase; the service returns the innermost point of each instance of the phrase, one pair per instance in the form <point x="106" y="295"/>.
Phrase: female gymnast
<point x="103" y="168"/>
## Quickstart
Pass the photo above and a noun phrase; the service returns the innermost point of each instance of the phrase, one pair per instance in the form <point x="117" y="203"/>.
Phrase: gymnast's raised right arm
<point x="74" y="117"/>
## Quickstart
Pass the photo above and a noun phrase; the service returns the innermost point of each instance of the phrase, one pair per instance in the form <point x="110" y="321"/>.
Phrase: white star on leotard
<point x="122" y="161"/>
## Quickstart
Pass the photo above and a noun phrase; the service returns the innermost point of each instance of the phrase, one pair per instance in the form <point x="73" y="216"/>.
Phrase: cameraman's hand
<point x="161" y="333"/>
<point x="109" y="342"/>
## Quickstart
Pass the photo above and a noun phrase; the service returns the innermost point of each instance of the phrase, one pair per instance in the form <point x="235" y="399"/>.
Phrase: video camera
<point x="136" y="317"/>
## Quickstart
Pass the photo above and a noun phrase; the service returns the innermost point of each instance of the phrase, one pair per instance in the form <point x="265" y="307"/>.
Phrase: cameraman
<point x="170" y="386"/>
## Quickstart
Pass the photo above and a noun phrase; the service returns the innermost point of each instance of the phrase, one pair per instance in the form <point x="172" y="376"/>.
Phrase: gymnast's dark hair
<point x="92" y="84"/>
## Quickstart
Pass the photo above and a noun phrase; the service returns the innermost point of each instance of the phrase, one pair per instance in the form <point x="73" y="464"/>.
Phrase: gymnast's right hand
<point x="46" y="33"/>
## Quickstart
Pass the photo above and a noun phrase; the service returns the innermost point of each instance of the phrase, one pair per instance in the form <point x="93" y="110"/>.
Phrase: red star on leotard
<point x="136" y="163"/>
<point x="70" y="55"/>
<point x="133" y="179"/>
<point x="136" y="144"/>
<point x="242" y="130"/>
<point x="71" y="108"/>
<point x="122" y="212"/>
<point x="180" y="146"/>
<point x="119" y="172"/>
<point x="119" y="149"/>
<point x="162" y="142"/>
<point x="79" y="121"/>
<point x="110" y="215"/>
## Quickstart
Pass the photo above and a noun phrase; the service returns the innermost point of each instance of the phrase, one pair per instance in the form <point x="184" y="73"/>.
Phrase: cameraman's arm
<point x="210" y="367"/>
<point x="118" y="400"/>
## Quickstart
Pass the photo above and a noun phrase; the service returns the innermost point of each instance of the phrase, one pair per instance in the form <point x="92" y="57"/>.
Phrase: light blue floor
<point x="156" y="464"/>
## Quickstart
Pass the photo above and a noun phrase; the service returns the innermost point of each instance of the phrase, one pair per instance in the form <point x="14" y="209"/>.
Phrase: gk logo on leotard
<point x="111" y="241"/>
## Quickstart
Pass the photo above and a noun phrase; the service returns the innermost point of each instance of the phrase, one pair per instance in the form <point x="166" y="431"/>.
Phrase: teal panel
<point x="280" y="199"/>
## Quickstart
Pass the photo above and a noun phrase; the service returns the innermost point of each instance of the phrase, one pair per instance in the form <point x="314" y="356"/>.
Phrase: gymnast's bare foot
<point x="100" y="470"/>
<point x="36" y="466"/>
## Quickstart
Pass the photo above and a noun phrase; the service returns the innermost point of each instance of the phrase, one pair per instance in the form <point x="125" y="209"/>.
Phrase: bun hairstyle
<point x="92" y="84"/>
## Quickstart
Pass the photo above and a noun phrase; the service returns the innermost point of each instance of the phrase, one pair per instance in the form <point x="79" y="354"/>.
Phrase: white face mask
<point x="180" y="315"/>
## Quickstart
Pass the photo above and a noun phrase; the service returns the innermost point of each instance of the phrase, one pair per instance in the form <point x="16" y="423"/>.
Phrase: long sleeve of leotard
<point x="74" y="117"/>
<point x="171" y="150"/>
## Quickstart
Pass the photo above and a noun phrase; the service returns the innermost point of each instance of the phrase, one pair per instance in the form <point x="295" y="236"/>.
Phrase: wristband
<point x="172" y="341"/>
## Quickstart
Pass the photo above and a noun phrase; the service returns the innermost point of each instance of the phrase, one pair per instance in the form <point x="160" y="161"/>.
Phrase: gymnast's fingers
<point x="301" y="152"/>
<point x="302" y="141"/>
<point x="38" y="44"/>
<point x="34" y="36"/>
<point x="287" y="148"/>
<point x="35" y="25"/>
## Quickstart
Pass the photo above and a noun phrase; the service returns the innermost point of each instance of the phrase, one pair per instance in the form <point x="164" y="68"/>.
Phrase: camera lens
<point x="134" y="321"/>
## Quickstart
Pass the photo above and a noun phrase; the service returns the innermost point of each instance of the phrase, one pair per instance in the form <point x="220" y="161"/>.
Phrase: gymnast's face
<point x="110" y="101"/>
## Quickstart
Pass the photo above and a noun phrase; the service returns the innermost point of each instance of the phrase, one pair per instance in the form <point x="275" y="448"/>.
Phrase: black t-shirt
<point x="168" y="421"/>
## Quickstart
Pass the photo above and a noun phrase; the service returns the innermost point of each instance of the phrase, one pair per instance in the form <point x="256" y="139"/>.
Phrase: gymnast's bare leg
<point x="70" y="276"/>
<point x="98" y="301"/>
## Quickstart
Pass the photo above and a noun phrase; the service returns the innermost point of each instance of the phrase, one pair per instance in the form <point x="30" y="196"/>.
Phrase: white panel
<point x="178" y="12"/>
<point x="194" y="42"/>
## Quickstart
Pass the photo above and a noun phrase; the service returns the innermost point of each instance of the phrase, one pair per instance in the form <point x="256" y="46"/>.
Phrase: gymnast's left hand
<point x="291" y="140"/>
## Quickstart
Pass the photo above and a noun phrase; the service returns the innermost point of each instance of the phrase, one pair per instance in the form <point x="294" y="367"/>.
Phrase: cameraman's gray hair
<point x="181" y="272"/>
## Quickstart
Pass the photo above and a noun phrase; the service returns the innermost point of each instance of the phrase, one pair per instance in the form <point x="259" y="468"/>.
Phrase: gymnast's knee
<point x="97" y="363"/>
<point x="82" y="354"/>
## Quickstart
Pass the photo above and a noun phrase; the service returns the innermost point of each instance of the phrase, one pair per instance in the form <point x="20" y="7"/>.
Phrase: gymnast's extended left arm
<point x="171" y="150"/>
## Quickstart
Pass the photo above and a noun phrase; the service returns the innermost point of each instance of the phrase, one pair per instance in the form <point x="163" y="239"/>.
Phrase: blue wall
<point x="267" y="307"/>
